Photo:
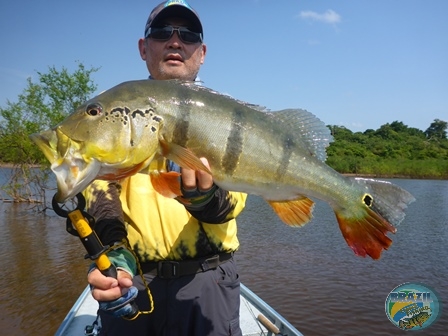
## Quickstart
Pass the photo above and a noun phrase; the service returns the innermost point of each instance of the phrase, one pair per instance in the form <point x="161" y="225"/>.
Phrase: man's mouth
<point x="174" y="58"/>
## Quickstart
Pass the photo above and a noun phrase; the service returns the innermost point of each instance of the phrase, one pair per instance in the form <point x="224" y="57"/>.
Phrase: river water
<point x="308" y="274"/>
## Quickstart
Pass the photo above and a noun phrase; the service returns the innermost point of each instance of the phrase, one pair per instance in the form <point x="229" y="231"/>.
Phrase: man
<point x="185" y="249"/>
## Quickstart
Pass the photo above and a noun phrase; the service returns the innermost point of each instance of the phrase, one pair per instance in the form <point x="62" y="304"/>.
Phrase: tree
<point x="41" y="105"/>
<point x="392" y="150"/>
<point x="437" y="130"/>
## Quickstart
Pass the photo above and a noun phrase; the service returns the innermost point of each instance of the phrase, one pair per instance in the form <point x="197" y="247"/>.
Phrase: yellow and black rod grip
<point x="92" y="244"/>
<point x="97" y="252"/>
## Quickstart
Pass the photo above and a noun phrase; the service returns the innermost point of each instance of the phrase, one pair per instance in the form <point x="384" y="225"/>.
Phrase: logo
<point x="177" y="2"/>
<point x="413" y="306"/>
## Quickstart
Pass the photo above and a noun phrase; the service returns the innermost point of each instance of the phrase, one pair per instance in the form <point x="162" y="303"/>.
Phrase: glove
<point x="123" y="260"/>
<point x="120" y="307"/>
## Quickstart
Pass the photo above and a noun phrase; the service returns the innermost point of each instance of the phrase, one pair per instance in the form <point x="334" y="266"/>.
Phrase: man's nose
<point x="175" y="40"/>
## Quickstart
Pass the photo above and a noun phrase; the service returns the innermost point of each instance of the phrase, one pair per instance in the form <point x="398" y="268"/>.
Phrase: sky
<point x="358" y="64"/>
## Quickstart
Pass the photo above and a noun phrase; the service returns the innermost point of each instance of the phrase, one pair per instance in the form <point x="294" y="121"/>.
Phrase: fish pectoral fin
<point x="366" y="235"/>
<point x="166" y="183"/>
<point x="296" y="212"/>
<point x="182" y="156"/>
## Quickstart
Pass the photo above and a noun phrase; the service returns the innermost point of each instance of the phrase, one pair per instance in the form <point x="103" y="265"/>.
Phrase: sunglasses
<point x="165" y="33"/>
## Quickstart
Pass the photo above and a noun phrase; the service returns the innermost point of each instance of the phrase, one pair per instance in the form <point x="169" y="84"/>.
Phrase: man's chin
<point x="175" y="73"/>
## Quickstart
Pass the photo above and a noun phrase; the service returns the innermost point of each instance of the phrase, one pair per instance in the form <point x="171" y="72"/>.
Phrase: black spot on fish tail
<point x="367" y="200"/>
<point x="287" y="150"/>
<point x="234" y="145"/>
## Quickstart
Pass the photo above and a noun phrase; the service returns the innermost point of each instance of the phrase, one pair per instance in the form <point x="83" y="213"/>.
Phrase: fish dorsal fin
<point x="310" y="130"/>
<point x="195" y="86"/>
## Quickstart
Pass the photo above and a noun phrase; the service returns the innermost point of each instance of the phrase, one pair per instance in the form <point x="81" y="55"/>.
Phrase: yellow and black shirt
<point x="160" y="228"/>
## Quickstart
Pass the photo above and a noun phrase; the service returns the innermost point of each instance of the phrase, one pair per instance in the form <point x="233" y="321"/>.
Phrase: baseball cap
<point x="174" y="8"/>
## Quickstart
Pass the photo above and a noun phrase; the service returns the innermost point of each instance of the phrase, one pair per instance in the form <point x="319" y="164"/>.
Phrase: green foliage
<point x="41" y="105"/>
<point x="392" y="150"/>
<point x="437" y="130"/>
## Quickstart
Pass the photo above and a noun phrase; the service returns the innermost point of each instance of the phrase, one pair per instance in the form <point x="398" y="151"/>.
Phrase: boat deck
<point x="83" y="313"/>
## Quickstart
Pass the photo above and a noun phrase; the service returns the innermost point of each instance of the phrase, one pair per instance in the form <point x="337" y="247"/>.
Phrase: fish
<point x="414" y="321"/>
<point x="277" y="155"/>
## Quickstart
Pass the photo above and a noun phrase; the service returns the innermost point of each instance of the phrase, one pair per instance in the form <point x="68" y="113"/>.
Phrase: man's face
<point x="172" y="59"/>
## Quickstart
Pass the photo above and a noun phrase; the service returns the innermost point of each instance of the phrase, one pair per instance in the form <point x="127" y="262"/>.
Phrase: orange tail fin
<point x="367" y="235"/>
<point x="297" y="212"/>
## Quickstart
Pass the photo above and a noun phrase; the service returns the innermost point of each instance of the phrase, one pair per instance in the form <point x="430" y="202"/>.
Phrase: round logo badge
<point x="412" y="306"/>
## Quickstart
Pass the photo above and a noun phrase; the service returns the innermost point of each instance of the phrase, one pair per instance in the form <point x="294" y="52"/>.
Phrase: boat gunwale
<point x="259" y="304"/>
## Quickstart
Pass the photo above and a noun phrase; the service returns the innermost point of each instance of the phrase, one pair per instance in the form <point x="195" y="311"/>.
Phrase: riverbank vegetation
<point x="393" y="150"/>
<point x="42" y="104"/>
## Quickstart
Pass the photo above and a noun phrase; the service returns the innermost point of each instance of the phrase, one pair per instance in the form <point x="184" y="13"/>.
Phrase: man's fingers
<point x="205" y="180"/>
<point x="107" y="288"/>
<point x="188" y="179"/>
<point x="192" y="179"/>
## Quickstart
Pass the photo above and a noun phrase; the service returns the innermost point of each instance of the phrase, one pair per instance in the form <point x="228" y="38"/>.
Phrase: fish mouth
<point x="73" y="171"/>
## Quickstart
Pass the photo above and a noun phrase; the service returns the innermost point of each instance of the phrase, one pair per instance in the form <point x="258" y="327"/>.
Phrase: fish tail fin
<point x="366" y="235"/>
<point x="296" y="212"/>
<point x="379" y="211"/>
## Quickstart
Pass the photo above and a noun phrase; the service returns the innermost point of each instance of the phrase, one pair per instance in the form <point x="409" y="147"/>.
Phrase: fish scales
<point x="279" y="155"/>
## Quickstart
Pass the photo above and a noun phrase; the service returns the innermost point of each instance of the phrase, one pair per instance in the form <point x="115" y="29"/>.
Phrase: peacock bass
<point x="279" y="156"/>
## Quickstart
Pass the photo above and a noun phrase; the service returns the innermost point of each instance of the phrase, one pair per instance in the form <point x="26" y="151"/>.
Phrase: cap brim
<point x="178" y="11"/>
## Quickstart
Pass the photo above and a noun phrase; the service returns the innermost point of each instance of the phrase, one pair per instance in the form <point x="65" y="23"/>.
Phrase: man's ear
<point x="204" y="52"/>
<point x="142" y="48"/>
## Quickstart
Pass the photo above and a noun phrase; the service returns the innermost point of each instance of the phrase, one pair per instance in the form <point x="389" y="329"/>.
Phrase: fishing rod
<point x="80" y="223"/>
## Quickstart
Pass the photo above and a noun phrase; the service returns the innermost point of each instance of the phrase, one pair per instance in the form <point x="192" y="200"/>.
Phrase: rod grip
<point x="268" y="324"/>
<point x="96" y="251"/>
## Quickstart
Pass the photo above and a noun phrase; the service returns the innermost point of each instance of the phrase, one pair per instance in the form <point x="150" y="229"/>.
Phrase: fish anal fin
<point x="296" y="212"/>
<point x="182" y="156"/>
<point x="166" y="183"/>
<point x="366" y="235"/>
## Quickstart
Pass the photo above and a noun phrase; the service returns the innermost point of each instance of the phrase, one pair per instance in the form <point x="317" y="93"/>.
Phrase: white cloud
<point x="330" y="16"/>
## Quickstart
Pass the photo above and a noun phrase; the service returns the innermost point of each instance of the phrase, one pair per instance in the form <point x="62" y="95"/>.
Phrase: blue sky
<point x="358" y="64"/>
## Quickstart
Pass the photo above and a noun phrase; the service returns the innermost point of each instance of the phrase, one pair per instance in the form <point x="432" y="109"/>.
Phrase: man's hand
<point x="115" y="296"/>
<point x="107" y="288"/>
<point x="199" y="179"/>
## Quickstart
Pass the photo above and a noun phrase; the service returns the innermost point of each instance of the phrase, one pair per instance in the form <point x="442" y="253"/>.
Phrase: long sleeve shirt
<point x="160" y="228"/>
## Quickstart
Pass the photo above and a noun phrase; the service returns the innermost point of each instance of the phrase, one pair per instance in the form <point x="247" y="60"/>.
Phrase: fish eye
<point x="94" y="109"/>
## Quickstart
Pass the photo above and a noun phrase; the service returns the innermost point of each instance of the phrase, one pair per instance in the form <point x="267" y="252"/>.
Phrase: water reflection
<point x="311" y="276"/>
<point x="47" y="270"/>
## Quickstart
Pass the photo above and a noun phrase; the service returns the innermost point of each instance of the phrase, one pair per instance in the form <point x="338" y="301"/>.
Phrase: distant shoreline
<point x="12" y="165"/>
<point x="376" y="176"/>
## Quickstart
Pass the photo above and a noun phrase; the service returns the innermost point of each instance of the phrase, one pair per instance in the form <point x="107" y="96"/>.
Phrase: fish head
<point x="112" y="136"/>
